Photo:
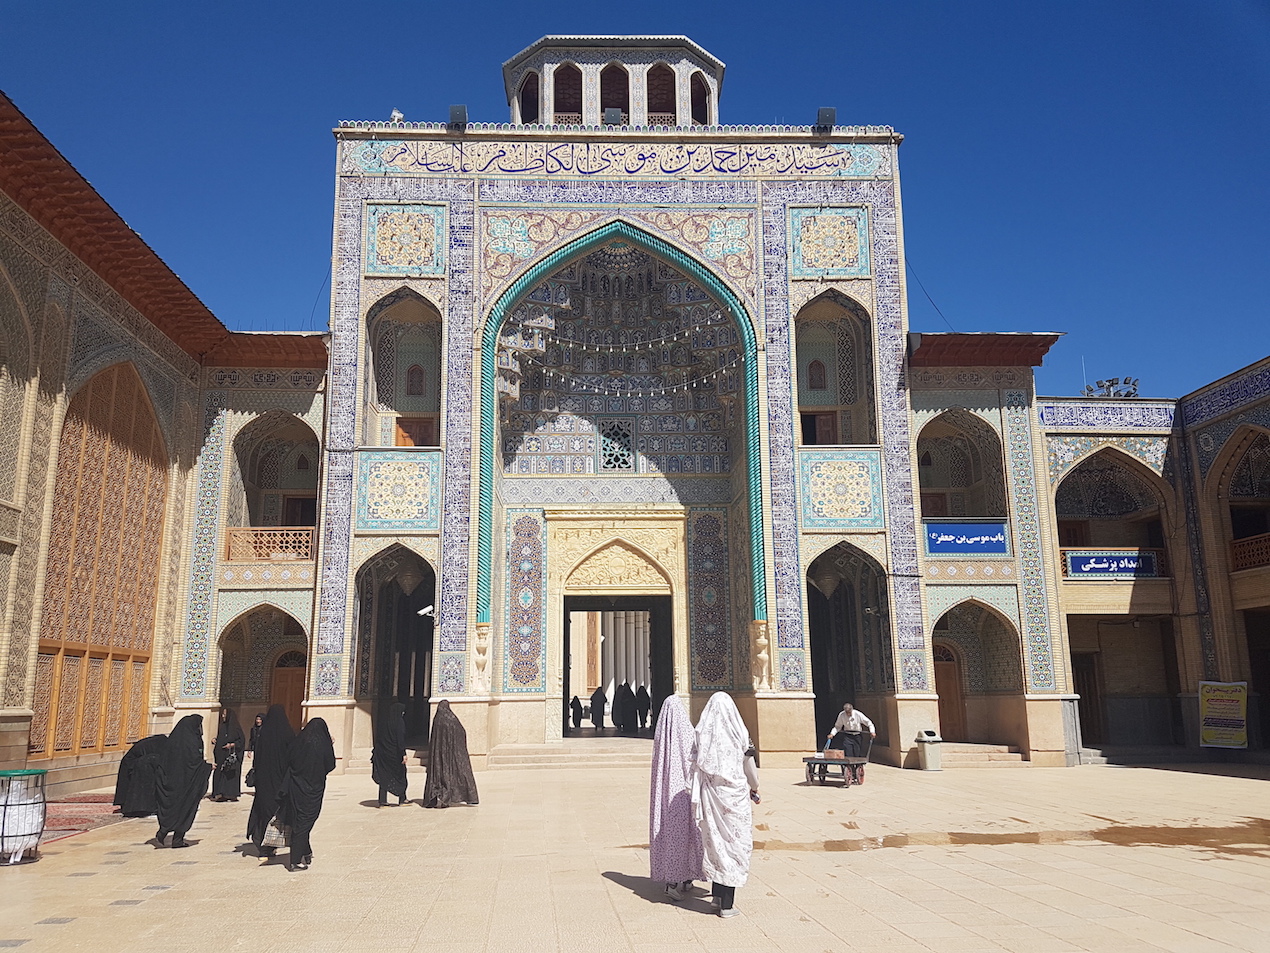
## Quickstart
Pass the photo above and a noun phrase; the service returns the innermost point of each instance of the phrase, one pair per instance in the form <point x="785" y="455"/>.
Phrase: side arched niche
<point x="979" y="676"/>
<point x="834" y="354"/>
<point x="404" y="381"/>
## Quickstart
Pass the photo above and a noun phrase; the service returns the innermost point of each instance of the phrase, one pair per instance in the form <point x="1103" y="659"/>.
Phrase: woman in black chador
<point x="135" y="787"/>
<point x="450" y="779"/>
<point x="598" y="703"/>
<point x="228" y="753"/>
<point x="270" y="766"/>
<point x="575" y="707"/>
<point x="182" y="780"/>
<point x="624" y="708"/>
<point x="255" y="732"/>
<point x="642" y="705"/>
<point x="311" y="759"/>
<point x="388" y="760"/>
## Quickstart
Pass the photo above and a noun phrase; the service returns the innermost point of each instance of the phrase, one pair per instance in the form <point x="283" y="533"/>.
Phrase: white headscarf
<point x="721" y="792"/>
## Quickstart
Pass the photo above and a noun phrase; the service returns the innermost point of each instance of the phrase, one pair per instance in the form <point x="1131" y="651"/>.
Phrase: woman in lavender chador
<point x="674" y="840"/>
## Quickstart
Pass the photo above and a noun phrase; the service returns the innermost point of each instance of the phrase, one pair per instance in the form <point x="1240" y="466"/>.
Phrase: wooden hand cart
<point x="850" y="768"/>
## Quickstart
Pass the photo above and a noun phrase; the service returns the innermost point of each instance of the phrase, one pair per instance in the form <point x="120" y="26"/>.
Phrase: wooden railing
<point x="1110" y="564"/>
<point x="268" y="543"/>
<point x="661" y="119"/>
<point x="568" y="119"/>
<point x="1250" y="552"/>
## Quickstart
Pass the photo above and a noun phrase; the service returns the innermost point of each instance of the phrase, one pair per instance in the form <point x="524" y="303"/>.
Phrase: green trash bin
<point x="23" y="809"/>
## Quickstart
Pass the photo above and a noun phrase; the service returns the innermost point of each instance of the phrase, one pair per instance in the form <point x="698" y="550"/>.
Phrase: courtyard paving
<point x="1026" y="860"/>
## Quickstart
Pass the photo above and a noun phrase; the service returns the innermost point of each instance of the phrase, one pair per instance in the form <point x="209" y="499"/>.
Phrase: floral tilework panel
<point x="405" y="239"/>
<point x="829" y="242"/>
<point x="709" y="602"/>
<point x="524" y="663"/>
<point x="841" y="489"/>
<point x="398" y="490"/>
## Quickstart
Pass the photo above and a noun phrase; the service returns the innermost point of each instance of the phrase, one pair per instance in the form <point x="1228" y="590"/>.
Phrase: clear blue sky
<point x="1099" y="168"/>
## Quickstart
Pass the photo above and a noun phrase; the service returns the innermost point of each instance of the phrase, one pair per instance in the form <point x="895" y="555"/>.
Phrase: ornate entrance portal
<point x="609" y="640"/>
<point x="626" y="469"/>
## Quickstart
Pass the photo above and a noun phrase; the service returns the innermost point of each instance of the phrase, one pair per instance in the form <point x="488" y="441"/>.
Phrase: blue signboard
<point x="966" y="539"/>
<point x="1111" y="564"/>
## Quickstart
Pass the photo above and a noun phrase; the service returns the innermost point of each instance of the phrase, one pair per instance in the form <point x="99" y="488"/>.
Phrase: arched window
<point x="302" y="462"/>
<point x="414" y="381"/>
<point x="615" y="90"/>
<point x="567" y="104"/>
<point x="700" y="93"/>
<point x="662" y="105"/>
<point x="529" y="99"/>
<point x="816" y="377"/>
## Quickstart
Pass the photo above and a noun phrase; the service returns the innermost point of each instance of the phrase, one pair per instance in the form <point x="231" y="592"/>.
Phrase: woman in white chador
<point x="724" y="783"/>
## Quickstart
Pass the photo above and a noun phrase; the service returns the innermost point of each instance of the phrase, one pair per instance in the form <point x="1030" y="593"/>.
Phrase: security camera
<point x="429" y="611"/>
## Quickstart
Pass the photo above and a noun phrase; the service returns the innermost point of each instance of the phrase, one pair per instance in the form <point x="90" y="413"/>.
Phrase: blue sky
<point x="1098" y="168"/>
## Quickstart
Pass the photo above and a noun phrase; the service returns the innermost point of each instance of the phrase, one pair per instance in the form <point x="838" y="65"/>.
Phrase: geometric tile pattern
<point x="1037" y="648"/>
<point x="1065" y="451"/>
<point x="1211" y="440"/>
<point x="708" y="601"/>
<point x="841" y="489"/>
<point x="405" y="239"/>
<point x="297" y="603"/>
<point x="204" y="544"/>
<point x="398" y="490"/>
<point x="524" y="637"/>
<point x="829" y="242"/>
<point x="1005" y="599"/>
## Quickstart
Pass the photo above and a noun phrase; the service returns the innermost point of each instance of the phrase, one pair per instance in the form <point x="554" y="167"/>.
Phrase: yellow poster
<point x="1223" y="714"/>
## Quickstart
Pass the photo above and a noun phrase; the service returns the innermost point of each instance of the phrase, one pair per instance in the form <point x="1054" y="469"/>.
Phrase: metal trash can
<point x="928" y="756"/>
<point x="23" y="808"/>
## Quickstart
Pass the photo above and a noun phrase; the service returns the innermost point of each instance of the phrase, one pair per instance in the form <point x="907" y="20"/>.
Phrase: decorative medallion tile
<point x="829" y="242"/>
<point x="525" y="641"/>
<point x="841" y="489"/>
<point x="398" y="490"/>
<point x="405" y="239"/>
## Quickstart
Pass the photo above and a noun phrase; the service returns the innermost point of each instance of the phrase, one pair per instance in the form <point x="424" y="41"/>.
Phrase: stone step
<point x="961" y="747"/>
<point x="570" y="755"/>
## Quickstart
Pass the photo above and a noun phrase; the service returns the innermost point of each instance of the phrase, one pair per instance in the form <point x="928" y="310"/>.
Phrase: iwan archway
<point x="581" y="334"/>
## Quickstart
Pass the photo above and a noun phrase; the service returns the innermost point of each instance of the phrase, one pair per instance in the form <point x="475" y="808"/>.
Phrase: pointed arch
<point x="263" y="602"/>
<point x="533" y="277"/>
<point x="967" y="471"/>
<point x="631" y="567"/>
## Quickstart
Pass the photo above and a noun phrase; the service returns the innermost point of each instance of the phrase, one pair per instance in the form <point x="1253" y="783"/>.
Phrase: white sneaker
<point x="674" y="893"/>
<point x="729" y="912"/>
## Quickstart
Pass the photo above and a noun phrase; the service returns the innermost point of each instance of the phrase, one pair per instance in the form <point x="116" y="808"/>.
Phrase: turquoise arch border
<point x="489" y="342"/>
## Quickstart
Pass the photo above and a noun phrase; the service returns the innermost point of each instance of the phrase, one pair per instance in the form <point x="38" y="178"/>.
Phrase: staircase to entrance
<point x="962" y="755"/>
<point x="575" y="753"/>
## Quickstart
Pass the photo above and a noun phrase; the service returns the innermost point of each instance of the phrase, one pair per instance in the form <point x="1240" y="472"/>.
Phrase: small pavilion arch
<point x="662" y="95"/>
<point x="849" y="634"/>
<point x="978" y="658"/>
<point x="701" y="100"/>
<point x="403" y="383"/>
<point x="615" y="90"/>
<point x="252" y="646"/>
<point x="961" y="467"/>
<point x="528" y="99"/>
<point x="566" y="98"/>
<point x="393" y="623"/>
<point x="1111" y="500"/>
<point x="833" y="346"/>
<point x="274" y="481"/>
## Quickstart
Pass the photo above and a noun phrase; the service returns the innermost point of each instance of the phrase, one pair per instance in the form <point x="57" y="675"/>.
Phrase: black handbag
<point x="250" y="780"/>
<point x="231" y="762"/>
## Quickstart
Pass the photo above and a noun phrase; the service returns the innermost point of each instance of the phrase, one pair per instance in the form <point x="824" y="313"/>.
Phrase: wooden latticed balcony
<point x="1249" y="553"/>
<point x="269" y="543"/>
<point x="661" y="119"/>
